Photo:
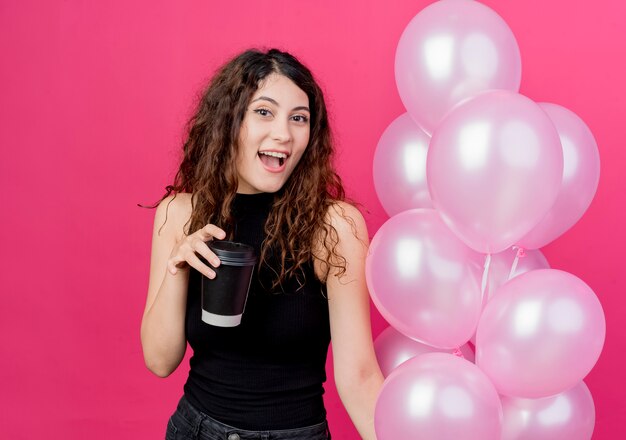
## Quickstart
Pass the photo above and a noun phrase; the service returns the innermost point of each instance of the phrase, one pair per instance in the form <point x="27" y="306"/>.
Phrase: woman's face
<point x="273" y="136"/>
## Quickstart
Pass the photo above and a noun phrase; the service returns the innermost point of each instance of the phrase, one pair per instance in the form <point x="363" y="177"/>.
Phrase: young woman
<point x="257" y="169"/>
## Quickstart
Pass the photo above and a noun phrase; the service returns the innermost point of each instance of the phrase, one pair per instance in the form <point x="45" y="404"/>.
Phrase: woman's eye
<point x="300" y="118"/>
<point x="263" y="112"/>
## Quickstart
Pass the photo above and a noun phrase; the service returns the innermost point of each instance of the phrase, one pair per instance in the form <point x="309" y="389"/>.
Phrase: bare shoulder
<point x="345" y="235"/>
<point x="172" y="214"/>
<point x="347" y="221"/>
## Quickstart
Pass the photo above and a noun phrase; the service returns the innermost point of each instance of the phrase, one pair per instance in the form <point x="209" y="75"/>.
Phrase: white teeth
<point x="274" y="154"/>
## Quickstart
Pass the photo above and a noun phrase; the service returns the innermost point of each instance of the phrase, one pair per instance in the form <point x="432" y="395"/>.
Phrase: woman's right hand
<point x="184" y="252"/>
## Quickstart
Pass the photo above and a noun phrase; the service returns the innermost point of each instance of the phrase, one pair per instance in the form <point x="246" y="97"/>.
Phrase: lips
<point x="273" y="161"/>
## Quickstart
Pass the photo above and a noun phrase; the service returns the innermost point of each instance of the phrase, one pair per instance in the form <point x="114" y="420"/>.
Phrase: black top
<point x="267" y="373"/>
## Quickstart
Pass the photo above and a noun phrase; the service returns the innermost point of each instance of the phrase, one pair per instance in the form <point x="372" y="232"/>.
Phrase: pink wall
<point x="93" y="99"/>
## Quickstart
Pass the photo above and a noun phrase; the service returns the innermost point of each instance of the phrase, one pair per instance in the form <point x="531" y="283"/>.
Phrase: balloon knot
<point x="521" y="252"/>
<point x="457" y="352"/>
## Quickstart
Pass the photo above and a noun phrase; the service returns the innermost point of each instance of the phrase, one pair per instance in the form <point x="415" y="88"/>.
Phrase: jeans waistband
<point x="203" y="426"/>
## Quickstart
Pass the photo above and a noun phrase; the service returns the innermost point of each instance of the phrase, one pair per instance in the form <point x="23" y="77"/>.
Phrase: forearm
<point x="359" y="399"/>
<point x="163" y="325"/>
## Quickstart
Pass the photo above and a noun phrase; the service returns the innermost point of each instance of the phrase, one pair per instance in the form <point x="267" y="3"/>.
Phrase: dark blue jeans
<point x="187" y="423"/>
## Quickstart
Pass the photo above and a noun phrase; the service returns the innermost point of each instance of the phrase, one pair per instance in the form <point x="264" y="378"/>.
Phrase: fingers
<point x="195" y="262"/>
<point x="204" y="250"/>
<point x="192" y="260"/>
<point x="210" y="231"/>
<point x="173" y="267"/>
<point x="186" y="252"/>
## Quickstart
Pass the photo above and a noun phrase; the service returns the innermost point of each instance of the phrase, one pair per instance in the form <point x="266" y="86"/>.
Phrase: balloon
<point x="421" y="280"/>
<point x="450" y="51"/>
<point x="502" y="262"/>
<point x="581" y="173"/>
<point x="569" y="415"/>
<point x="540" y="335"/>
<point x="438" y="396"/>
<point x="400" y="167"/>
<point x="393" y="348"/>
<point x="494" y="169"/>
<point x="500" y="269"/>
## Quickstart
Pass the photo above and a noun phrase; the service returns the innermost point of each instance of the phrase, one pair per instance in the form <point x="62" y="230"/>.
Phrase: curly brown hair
<point x="299" y="216"/>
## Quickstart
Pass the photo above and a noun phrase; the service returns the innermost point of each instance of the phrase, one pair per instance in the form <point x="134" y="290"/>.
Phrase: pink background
<point x="94" y="96"/>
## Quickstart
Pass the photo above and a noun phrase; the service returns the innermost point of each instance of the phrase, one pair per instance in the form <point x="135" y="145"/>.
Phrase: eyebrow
<point x="273" y="101"/>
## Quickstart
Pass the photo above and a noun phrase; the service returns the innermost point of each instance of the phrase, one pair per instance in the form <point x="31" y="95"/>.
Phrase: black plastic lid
<point x="230" y="252"/>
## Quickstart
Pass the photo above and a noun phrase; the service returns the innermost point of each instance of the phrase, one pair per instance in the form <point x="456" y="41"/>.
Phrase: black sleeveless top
<point x="267" y="373"/>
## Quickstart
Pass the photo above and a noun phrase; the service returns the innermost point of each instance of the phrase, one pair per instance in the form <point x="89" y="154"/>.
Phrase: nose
<point x="281" y="131"/>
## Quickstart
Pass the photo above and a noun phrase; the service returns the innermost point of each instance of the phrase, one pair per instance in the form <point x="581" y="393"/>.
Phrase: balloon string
<point x="457" y="352"/>
<point x="521" y="253"/>
<point x="485" y="276"/>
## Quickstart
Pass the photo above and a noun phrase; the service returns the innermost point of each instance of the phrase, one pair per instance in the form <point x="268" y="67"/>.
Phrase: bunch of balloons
<point x="476" y="177"/>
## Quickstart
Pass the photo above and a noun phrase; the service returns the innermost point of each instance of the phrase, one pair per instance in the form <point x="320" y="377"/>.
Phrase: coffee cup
<point x="224" y="297"/>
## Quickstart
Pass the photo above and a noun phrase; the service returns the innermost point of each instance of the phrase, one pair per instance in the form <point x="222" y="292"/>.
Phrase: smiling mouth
<point x="272" y="159"/>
